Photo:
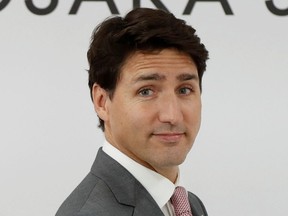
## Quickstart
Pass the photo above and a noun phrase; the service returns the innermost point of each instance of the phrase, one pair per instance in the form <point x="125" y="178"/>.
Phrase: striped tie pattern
<point x="180" y="202"/>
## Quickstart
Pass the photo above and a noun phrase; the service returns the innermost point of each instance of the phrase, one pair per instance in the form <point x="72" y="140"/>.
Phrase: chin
<point x="175" y="161"/>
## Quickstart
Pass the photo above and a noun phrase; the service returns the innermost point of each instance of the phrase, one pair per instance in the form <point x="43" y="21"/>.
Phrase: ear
<point x="100" y="101"/>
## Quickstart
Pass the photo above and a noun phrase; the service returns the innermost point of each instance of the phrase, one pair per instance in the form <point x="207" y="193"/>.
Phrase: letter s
<point x="41" y="11"/>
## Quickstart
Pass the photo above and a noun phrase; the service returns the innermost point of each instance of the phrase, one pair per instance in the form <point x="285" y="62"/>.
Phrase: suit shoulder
<point x="92" y="197"/>
<point x="80" y="195"/>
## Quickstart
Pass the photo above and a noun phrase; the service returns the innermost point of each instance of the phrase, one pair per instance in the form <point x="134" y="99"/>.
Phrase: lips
<point x="169" y="137"/>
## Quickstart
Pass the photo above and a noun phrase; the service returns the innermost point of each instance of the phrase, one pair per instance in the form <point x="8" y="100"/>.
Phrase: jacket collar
<point x="119" y="180"/>
<point x="127" y="190"/>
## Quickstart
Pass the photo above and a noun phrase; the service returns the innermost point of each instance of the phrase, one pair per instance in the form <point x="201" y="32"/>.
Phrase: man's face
<point x="155" y="113"/>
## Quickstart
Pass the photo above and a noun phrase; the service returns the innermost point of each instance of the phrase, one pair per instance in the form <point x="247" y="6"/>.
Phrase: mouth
<point x="169" y="137"/>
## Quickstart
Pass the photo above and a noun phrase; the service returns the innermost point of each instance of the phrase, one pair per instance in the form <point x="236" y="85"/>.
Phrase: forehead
<point x="164" y="61"/>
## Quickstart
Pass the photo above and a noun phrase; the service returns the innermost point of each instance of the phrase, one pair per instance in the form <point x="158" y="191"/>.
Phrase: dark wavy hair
<point x="142" y="29"/>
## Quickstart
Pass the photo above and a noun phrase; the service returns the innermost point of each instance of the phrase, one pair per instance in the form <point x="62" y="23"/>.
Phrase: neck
<point x="169" y="173"/>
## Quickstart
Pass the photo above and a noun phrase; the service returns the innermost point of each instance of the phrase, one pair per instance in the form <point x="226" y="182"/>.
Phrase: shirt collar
<point x="160" y="188"/>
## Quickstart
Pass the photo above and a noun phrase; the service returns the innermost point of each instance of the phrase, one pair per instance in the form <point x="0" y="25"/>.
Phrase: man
<point x="145" y="80"/>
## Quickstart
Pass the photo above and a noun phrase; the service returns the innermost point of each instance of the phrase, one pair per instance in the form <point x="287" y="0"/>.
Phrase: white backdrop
<point x="48" y="128"/>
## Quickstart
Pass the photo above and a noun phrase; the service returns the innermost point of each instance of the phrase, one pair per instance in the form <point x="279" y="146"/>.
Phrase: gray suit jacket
<point x="110" y="190"/>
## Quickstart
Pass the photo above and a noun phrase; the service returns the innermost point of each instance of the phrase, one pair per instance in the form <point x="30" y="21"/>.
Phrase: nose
<point x="170" y="110"/>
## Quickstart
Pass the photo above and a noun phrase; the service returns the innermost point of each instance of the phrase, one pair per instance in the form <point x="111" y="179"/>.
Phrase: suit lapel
<point x="196" y="205"/>
<point x="127" y="190"/>
<point x="145" y="204"/>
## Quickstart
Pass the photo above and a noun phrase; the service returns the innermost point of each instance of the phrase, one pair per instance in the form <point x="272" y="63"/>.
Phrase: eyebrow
<point x="154" y="76"/>
<point x="187" y="76"/>
<point x="157" y="77"/>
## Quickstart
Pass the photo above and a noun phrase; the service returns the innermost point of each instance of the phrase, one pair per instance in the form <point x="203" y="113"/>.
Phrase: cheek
<point x="139" y="119"/>
<point x="127" y="115"/>
<point x="193" y="115"/>
<point x="136" y="116"/>
<point x="198" y="121"/>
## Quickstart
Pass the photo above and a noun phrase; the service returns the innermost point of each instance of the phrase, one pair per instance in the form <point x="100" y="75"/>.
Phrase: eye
<point x="185" y="91"/>
<point x="146" y="92"/>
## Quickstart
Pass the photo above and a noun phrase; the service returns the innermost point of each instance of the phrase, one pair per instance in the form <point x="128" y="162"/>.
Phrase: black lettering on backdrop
<point x="226" y="7"/>
<point x="272" y="8"/>
<point x="77" y="3"/>
<point x="3" y="4"/>
<point x="41" y="11"/>
<point x="157" y="3"/>
<point x="136" y="4"/>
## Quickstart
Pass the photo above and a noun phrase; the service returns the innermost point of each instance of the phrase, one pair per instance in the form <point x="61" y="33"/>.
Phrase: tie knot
<point x="180" y="202"/>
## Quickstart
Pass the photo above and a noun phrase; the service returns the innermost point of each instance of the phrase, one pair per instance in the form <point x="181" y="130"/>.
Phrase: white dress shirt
<point x="160" y="188"/>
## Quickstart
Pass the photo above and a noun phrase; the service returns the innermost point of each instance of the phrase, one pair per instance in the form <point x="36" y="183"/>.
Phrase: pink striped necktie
<point x="180" y="202"/>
